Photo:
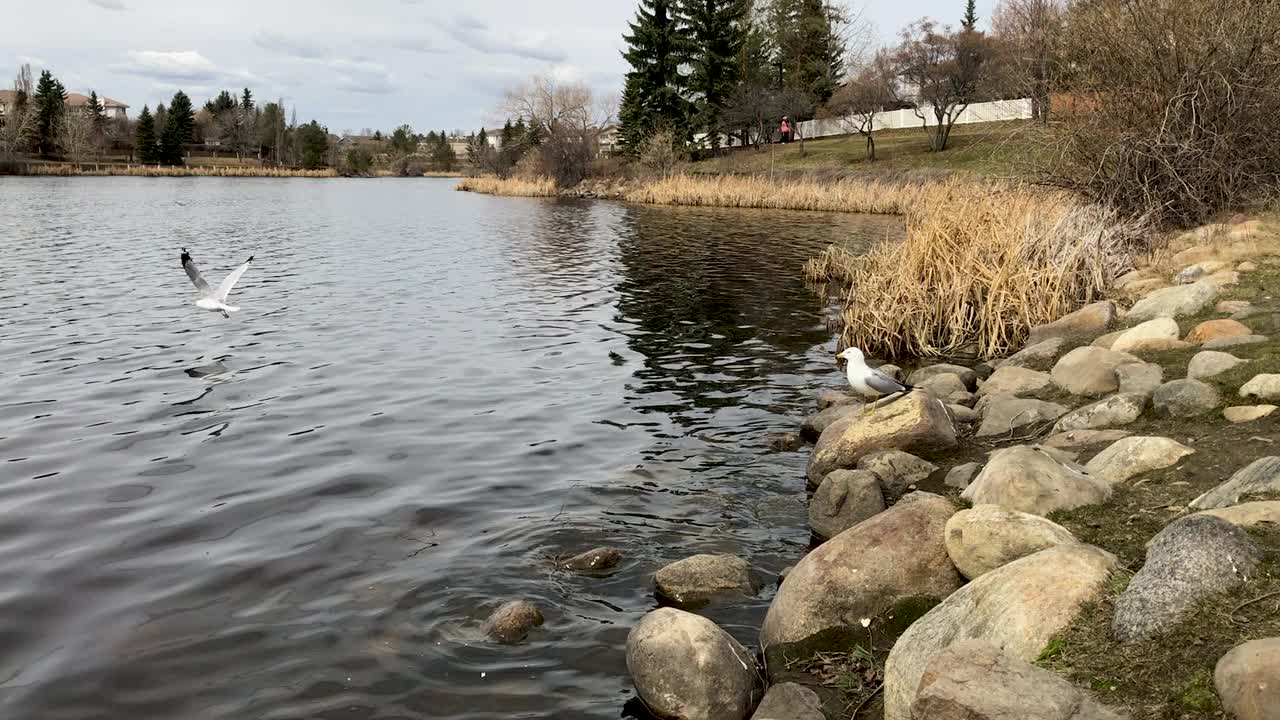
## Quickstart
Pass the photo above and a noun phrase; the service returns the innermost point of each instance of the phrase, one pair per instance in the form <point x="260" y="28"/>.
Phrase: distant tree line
<point x="400" y="152"/>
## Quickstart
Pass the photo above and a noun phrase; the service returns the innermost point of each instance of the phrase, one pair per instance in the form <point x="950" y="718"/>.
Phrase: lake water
<point x="307" y="511"/>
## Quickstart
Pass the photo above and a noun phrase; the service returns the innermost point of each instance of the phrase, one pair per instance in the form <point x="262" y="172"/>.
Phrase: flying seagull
<point x="867" y="380"/>
<point x="213" y="300"/>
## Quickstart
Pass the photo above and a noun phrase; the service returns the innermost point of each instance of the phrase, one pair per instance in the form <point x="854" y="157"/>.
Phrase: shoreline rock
<point x="916" y="423"/>
<point x="1032" y="480"/>
<point x="699" y="579"/>
<point x="844" y="499"/>
<point x="986" y="537"/>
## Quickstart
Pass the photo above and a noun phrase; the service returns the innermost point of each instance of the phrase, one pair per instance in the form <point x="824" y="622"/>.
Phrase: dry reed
<point x="513" y="187"/>
<point x="750" y="191"/>
<point x="976" y="270"/>
<point x="67" y="170"/>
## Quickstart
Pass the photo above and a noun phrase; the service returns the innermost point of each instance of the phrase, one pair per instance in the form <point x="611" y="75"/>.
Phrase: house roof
<point x="73" y="100"/>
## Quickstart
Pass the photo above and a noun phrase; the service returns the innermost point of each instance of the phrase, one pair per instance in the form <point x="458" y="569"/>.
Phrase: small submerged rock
<point x="1189" y="560"/>
<point x="512" y="621"/>
<point x="595" y="560"/>
<point x="698" y="579"/>
<point x="785" y="441"/>
<point x="685" y="666"/>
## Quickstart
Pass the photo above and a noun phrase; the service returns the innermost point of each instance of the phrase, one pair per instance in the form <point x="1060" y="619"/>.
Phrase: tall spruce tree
<point x="97" y="113"/>
<point x="808" y="41"/>
<point x="970" y="21"/>
<point x="144" y="143"/>
<point x="50" y="105"/>
<point x="246" y="101"/>
<point x="718" y="30"/>
<point x="658" y="47"/>
<point x="177" y="129"/>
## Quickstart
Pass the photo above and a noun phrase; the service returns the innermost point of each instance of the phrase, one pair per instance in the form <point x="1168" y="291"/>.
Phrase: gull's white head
<point x="851" y="355"/>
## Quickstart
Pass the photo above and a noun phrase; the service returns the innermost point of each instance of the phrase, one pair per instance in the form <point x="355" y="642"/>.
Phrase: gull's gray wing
<point x="229" y="281"/>
<point x="884" y="384"/>
<point x="196" y="278"/>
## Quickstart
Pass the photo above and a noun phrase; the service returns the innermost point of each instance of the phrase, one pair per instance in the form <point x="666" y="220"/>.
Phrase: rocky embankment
<point x="1082" y="530"/>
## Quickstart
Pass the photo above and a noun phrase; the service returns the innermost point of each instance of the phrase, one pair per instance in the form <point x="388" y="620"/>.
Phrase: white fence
<point x="976" y="113"/>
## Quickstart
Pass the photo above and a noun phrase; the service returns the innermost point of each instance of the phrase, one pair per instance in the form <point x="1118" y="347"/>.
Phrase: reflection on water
<point x="307" y="510"/>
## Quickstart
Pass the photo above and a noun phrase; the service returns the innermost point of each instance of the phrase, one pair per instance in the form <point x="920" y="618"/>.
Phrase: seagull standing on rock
<point x="868" y="380"/>
<point x="210" y="299"/>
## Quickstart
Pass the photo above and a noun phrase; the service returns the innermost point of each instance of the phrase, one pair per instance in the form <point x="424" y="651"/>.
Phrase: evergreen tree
<point x="220" y="104"/>
<point x="508" y="135"/>
<point x="97" y="113"/>
<point x="719" y="30"/>
<point x="970" y="21"/>
<point x="807" y="39"/>
<point x="246" y="101"/>
<point x="177" y="129"/>
<point x="145" y="138"/>
<point x="658" y="47"/>
<point x="50" y="104"/>
<point x="162" y="121"/>
<point x="314" y="142"/>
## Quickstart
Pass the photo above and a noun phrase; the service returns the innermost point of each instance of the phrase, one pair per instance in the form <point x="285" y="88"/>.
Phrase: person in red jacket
<point x="785" y="130"/>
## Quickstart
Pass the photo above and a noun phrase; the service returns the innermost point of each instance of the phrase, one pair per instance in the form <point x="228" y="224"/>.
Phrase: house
<point x="115" y="109"/>
<point x="607" y="140"/>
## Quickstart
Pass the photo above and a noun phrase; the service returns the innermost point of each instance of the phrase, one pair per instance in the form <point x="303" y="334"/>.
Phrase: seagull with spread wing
<point x="210" y="299"/>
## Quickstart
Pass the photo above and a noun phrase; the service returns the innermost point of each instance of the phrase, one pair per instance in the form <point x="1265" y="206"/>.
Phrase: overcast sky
<point x="351" y="64"/>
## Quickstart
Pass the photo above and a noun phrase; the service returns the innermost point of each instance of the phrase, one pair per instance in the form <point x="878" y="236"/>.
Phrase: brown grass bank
<point x="753" y="191"/>
<point x="980" y="265"/>
<point x="111" y="170"/>
<point x="511" y="187"/>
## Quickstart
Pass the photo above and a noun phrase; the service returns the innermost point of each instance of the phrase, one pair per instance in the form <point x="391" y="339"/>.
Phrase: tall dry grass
<point x="978" y="267"/>
<point x="68" y="170"/>
<point x="512" y="187"/>
<point x="753" y="191"/>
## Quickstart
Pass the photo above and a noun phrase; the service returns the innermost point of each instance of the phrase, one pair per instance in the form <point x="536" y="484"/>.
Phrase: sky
<point x="433" y="64"/>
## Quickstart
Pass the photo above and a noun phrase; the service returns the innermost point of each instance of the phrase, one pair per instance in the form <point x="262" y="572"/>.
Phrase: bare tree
<point x="1031" y="33"/>
<point x="75" y="134"/>
<point x="857" y="103"/>
<point x="15" y="132"/>
<point x="1172" y="106"/>
<point x="942" y="72"/>
<point x="567" y="118"/>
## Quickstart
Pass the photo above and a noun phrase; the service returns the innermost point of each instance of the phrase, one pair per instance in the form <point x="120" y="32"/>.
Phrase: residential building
<point x="115" y="109"/>
<point x="607" y="140"/>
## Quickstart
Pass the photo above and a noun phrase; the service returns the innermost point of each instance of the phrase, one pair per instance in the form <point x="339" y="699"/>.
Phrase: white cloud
<point x="109" y="4"/>
<point x="178" y="65"/>
<point x="521" y="42"/>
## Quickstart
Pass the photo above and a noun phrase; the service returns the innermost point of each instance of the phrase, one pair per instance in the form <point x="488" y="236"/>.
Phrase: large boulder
<point x="789" y="701"/>
<point x="512" y="621"/>
<point x="685" y="667"/>
<point x="1175" y="301"/>
<point x="1261" y="513"/>
<point x="1152" y="335"/>
<point x="1088" y="320"/>
<point x="986" y="537"/>
<point x="864" y="571"/>
<point x="1266" y="387"/>
<point x="924" y="374"/>
<point x="1215" y="329"/>
<point x="1185" y="399"/>
<point x="811" y="428"/>
<point x="897" y="471"/>
<point x="1208" y="363"/>
<point x="1133" y="456"/>
<point x="1142" y="378"/>
<point x="1006" y="414"/>
<point x="1119" y="409"/>
<point x="975" y="680"/>
<point x="1012" y="380"/>
<point x="943" y="385"/>
<point x="832" y="398"/>
<point x="844" y="499"/>
<point x="1230" y="342"/>
<point x="698" y="579"/>
<point x="1262" y="476"/>
<point x="1018" y="608"/>
<point x="1090" y="371"/>
<point x="1084" y="438"/>
<point x="1040" y="356"/>
<point x="916" y="423"/>
<point x="1247" y="413"/>
<point x="1189" y="560"/>
<point x="1247" y="679"/>
<point x="1030" y="479"/>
